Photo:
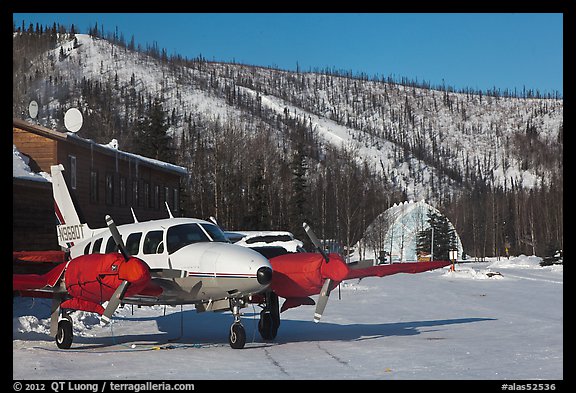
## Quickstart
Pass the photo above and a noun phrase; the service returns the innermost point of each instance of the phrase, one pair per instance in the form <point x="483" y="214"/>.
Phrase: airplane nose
<point x="264" y="275"/>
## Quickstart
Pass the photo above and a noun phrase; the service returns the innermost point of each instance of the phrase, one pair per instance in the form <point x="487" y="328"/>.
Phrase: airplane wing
<point x="39" y="256"/>
<point x="36" y="282"/>
<point x="359" y="271"/>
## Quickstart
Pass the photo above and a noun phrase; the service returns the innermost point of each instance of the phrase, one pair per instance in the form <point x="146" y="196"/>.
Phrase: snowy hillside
<point x="267" y="149"/>
<point x="411" y="134"/>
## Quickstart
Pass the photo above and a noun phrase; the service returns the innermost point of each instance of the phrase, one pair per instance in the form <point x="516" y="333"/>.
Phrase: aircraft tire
<point x="64" y="335"/>
<point x="269" y="317"/>
<point x="265" y="326"/>
<point x="237" y="337"/>
<point x="274" y="312"/>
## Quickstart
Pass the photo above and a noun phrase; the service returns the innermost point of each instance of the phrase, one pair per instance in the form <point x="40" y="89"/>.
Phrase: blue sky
<point x="479" y="51"/>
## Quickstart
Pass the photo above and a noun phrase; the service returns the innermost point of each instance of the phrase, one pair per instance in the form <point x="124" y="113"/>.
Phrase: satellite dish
<point x="73" y="120"/>
<point x="33" y="109"/>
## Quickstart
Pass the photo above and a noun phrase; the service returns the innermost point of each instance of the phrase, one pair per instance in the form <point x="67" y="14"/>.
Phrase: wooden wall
<point x="33" y="204"/>
<point x="40" y="149"/>
<point x="33" y="219"/>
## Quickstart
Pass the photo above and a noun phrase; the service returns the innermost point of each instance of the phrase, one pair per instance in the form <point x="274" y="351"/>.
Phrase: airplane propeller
<point x="130" y="272"/>
<point x="117" y="238"/>
<point x="327" y="286"/>
<point x="119" y="293"/>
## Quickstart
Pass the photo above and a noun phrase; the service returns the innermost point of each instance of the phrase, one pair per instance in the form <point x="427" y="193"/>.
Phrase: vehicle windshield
<point x="215" y="233"/>
<point x="181" y="235"/>
<point x="269" y="239"/>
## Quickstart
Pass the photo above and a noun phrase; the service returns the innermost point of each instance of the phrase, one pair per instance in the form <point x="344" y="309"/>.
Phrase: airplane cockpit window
<point x="153" y="243"/>
<point x="181" y="235"/>
<point x="215" y="233"/>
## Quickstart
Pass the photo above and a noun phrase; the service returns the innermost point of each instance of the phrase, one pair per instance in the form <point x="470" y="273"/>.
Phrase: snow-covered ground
<point x="466" y="324"/>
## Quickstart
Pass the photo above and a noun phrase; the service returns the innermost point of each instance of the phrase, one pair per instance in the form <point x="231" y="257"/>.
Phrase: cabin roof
<point x="70" y="137"/>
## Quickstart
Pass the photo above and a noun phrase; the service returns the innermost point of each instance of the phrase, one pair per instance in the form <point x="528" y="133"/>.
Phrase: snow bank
<point x="469" y="273"/>
<point x="32" y="316"/>
<point x="491" y="269"/>
<point x="522" y="262"/>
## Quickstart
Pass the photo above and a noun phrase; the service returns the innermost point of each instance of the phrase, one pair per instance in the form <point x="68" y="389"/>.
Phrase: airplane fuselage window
<point x="97" y="245"/>
<point x="111" y="245"/>
<point x="153" y="243"/>
<point x="177" y="236"/>
<point x="133" y="243"/>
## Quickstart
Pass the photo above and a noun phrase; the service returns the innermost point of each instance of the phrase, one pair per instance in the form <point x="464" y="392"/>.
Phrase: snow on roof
<point x="20" y="168"/>
<point x="266" y="239"/>
<point x="112" y="148"/>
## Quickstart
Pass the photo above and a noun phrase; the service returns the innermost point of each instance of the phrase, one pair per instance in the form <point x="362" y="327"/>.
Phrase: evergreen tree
<point x="444" y="237"/>
<point x="152" y="139"/>
<point x="298" y="201"/>
<point x="257" y="217"/>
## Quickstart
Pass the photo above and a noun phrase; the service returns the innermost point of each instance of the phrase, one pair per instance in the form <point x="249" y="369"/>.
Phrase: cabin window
<point x="123" y="200"/>
<point x="111" y="245"/>
<point x="181" y="235"/>
<point x="175" y="199"/>
<point x="109" y="189"/>
<point x="146" y="197"/>
<point x="135" y="199"/>
<point x="133" y="243"/>
<point x="87" y="248"/>
<point x="72" y="171"/>
<point x="94" y="186"/>
<point x="153" y="243"/>
<point x="97" y="245"/>
<point x="156" y="196"/>
<point x="166" y="194"/>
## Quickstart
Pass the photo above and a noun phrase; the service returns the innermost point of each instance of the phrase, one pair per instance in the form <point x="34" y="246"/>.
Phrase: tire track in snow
<point x="534" y="279"/>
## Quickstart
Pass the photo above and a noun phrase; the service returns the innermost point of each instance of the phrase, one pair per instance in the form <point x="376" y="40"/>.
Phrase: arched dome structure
<point x="395" y="232"/>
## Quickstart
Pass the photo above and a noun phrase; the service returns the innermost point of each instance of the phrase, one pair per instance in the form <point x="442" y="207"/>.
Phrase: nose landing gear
<point x="237" y="337"/>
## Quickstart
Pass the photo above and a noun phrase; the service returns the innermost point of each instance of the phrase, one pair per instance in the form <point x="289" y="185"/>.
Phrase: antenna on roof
<point x="134" y="216"/>
<point x="168" y="208"/>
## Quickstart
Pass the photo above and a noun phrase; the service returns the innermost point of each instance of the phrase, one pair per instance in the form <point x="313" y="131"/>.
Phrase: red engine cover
<point x="95" y="277"/>
<point x="302" y="274"/>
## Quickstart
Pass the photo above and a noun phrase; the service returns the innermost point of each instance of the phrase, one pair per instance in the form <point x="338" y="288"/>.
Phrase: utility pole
<point x="432" y="245"/>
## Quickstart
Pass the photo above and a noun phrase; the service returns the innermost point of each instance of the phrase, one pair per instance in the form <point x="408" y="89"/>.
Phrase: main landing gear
<point x="267" y="325"/>
<point x="64" y="335"/>
<point x="269" y="317"/>
<point x="60" y="325"/>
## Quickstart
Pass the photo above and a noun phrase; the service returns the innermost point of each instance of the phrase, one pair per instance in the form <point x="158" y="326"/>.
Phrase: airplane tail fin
<point x="71" y="229"/>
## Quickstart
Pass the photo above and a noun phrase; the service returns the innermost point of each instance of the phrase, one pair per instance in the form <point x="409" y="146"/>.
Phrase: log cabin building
<point x="101" y="179"/>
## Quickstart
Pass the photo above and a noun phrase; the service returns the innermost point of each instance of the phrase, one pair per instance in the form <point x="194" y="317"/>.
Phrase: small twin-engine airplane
<point x="297" y="276"/>
<point x="174" y="261"/>
<point x="183" y="261"/>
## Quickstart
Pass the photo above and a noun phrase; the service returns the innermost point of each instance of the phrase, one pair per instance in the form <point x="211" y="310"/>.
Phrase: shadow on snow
<point x="191" y="328"/>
